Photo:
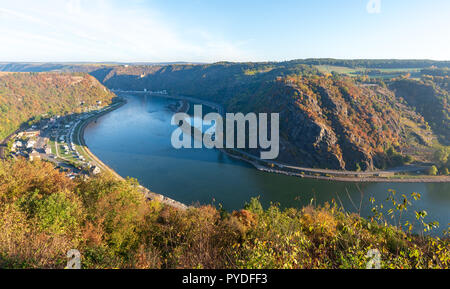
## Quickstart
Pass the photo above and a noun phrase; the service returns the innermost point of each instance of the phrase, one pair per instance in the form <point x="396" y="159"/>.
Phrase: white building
<point x="48" y="150"/>
<point x="30" y="144"/>
<point x="95" y="170"/>
<point x="34" y="156"/>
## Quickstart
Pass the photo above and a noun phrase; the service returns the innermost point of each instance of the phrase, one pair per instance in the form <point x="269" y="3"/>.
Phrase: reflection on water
<point x="135" y="141"/>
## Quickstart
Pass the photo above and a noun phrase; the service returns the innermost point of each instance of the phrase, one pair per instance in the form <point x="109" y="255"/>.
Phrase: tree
<point x="441" y="155"/>
<point x="408" y="159"/>
<point x="433" y="171"/>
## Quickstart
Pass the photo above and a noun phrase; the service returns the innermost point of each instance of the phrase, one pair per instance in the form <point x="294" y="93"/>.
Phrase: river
<point x="134" y="140"/>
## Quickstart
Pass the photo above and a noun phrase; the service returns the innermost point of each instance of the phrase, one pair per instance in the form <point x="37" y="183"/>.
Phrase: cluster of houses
<point x="34" y="143"/>
<point x="25" y="144"/>
<point x="69" y="147"/>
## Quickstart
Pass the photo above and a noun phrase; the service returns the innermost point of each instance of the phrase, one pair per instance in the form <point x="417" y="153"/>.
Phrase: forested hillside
<point x="328" y="120"/>
<point x="333" y="122"/>
<point x="26" y="96"/>
<point x="429" y="97"/>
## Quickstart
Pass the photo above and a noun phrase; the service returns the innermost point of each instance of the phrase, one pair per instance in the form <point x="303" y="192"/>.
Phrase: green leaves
<point x="59" y="214"/>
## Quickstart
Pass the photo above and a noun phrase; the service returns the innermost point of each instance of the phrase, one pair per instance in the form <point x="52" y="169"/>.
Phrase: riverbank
<point x="365" y="177"/>
<point x="79" y="135"/>
<point x="148" y="194"/>
<point x="399" y="175"/>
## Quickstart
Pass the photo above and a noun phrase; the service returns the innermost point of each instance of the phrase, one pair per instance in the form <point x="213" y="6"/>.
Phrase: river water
<point x="135" y="141"/>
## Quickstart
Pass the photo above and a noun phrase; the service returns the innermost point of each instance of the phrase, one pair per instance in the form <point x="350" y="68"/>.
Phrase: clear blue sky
<point x="218" y="30"/>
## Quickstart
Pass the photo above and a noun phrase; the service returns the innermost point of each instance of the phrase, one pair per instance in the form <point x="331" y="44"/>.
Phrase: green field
<point x="338" y="69"/>
<point x="389" y="72"/>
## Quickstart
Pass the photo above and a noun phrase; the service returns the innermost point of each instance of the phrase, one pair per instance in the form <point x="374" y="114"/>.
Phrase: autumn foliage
<point x="43" y="215"/>
<point x="24" y="97"/>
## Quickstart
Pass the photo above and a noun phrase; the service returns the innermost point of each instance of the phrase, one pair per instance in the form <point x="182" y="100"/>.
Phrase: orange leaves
<point x="20" y="177"/>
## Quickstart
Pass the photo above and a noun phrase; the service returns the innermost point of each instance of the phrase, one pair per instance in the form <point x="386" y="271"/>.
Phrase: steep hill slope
<point x="24" y="96"/>
<point x="334" y="122"/>
<point x="430" y="97"/>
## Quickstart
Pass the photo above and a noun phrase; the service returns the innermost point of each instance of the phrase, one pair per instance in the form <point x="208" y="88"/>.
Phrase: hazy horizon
<point x="201" y="63"/>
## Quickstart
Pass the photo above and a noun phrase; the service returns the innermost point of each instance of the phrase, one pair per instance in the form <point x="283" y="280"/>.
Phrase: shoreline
<point x="149" y="195"/>
<point x="406" y="179"/>
<point x="80" y="137"/>
<point x="311" y="173"/>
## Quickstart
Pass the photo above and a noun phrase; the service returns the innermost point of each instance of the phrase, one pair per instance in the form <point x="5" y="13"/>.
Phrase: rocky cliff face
<point x="329" y="123"/>
<point x="352" y="131"/>
<point x="337" y="123"/>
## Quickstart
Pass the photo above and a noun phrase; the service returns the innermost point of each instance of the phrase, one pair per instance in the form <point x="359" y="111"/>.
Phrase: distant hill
<point x="349" y="63"/>
<point x="72" y="67"/>
<point x="26" y="96"/>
